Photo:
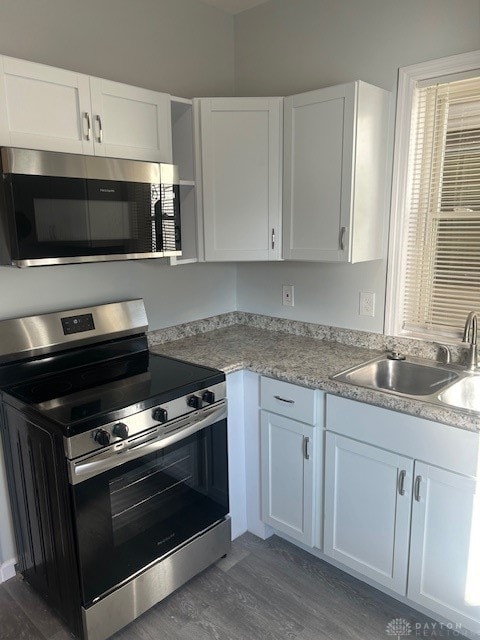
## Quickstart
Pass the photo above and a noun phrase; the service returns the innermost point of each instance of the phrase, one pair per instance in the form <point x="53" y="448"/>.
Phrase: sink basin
<point x="464" y="394"/>
<point x="400" y="376"/>
<point x="444" y="385"/>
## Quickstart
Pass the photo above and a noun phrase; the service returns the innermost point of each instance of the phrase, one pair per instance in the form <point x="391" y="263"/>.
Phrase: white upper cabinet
<point x="130" y="122"/>
<point x="325" y="151"/>
<point x="43" y="107"/>
<point x="335" y="159"/>
<point x="241" y="142"/>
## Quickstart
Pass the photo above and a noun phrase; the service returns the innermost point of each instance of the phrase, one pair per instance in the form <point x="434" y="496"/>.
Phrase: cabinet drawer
<point x="290" y="400"/>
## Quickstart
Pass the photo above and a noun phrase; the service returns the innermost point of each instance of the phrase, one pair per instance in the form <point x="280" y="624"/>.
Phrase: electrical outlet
<point x="287" y="295"/>
<point x="367" y="303"/>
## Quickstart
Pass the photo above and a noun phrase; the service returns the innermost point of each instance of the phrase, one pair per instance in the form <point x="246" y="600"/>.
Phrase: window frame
<point x="408" y="78"/>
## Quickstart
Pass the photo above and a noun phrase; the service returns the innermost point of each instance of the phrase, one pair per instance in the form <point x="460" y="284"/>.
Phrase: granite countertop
<point x="301" y="360"/>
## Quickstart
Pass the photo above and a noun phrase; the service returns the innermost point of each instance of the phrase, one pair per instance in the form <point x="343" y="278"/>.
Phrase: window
<point x="434" y="277"/>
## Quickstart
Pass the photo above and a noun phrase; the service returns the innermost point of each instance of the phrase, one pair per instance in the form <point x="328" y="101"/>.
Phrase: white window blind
<point x="442" y="267"/>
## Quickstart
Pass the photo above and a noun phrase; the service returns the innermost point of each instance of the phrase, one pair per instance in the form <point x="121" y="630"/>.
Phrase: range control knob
<point x="208" y="397"/>
<point x="102" y="437"/>
<point x="160" y="414"/>
<point x="195" y="402"/>
<point x="120" y="430"/>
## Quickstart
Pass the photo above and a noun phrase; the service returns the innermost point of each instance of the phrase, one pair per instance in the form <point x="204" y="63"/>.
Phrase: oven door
<point x="130" y="514"/>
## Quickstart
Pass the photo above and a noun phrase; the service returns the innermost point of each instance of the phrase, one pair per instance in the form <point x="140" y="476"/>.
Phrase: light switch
<point x="367" y="303"/>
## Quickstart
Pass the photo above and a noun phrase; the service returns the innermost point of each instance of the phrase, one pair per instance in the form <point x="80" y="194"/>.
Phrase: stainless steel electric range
<point x="116" y="461"/>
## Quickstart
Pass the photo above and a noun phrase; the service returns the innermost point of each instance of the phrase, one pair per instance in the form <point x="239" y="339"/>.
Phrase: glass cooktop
<point x="125" y="384"/>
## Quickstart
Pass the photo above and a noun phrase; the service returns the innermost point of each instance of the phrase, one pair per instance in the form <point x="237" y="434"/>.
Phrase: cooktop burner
<point x="51" y="388"/>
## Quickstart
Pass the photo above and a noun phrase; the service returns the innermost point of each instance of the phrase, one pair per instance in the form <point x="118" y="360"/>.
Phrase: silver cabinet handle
<point x="401" y="482"/>
<point x="100" y="128"/>
<point x="306" y="455"/>
<point x="418" y="481"/>
<point x="273" y="238"/>
<point x="284" y="399"/>
<point x="86" y="115"/>
<point x="343" y="231"/>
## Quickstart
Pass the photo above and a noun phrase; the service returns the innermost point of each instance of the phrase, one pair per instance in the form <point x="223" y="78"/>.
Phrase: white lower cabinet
<point x="367" y="510"/>
<point x="444" y="572"/>
<point x="288" y="469"/>
<point x="291" y="452"/>
<point x="371" y="488"/>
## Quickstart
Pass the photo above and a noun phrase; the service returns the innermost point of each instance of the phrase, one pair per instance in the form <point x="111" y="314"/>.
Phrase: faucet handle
<point x="443" y="348"/>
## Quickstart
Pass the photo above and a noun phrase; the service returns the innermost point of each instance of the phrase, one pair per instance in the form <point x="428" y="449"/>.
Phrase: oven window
<point x="132" y="515"/>
<point x="167" y="482"/>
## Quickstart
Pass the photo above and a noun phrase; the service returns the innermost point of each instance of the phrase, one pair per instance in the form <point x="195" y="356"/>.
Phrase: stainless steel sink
<point x="464" y="394"/>
<point x="404" y="377"/>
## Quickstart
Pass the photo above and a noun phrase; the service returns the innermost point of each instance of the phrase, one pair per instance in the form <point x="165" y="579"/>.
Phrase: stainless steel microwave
<point x="59" y="208"/>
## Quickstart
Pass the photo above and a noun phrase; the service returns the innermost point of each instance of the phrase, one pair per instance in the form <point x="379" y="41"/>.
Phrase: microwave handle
<point x="158" y="224"/>
<point x="91" y="466"/>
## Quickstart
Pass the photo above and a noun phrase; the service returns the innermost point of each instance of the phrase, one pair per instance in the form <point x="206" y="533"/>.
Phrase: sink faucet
<point x="470" y="338"/>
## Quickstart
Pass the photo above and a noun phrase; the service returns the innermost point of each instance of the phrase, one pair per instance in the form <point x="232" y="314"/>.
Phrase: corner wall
<point x="284" y="47"/>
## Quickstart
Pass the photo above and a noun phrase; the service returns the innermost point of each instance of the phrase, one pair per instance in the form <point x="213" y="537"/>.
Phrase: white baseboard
<point x="7" y="570"/>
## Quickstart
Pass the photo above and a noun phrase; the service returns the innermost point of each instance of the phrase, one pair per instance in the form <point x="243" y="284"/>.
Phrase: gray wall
<point x="182" y="47"/>
<point x="172" y="294"/>
<point x="289" y="46"/>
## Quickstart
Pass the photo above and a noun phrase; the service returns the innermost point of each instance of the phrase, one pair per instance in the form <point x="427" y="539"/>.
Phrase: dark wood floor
<point x="265" y="590"/>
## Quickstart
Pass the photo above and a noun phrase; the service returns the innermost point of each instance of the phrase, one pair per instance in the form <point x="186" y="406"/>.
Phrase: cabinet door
<point x="318" y="160"/>
<point x="130" y="122"/>
<point x="288" y="463"/>
<point x="44" y="108"/>
<point x="241" y="171"/>
<point x="444" y="572"/>
<point x="367" y="510"/>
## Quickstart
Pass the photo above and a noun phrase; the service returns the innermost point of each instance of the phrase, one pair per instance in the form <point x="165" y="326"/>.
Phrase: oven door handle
<point x="90" y="466"/>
